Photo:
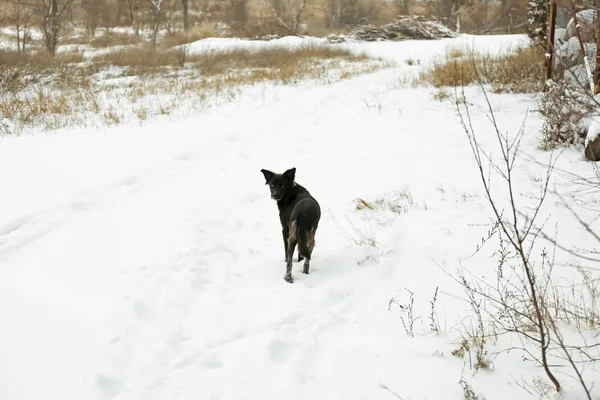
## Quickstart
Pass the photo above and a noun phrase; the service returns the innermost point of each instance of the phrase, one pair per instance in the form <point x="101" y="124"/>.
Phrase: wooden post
<point x="596" y="73"/>
<point x="550" y="50"/>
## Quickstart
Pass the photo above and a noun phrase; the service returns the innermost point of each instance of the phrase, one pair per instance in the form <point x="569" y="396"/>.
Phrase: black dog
<point x="299" y="214"/>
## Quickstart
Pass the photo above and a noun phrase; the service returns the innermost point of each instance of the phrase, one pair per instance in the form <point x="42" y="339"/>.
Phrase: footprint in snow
<point x="211" y="361"/>
<point x="109" y="387"/>
<point x="141" y="310"/>
<point x="130" y="180"/>
<point x="184" y="156"/>
<point x="115" y="340"/>
<point x="80" y="205"/>
<point x="279" y="350"/>
<point x="187" y="360"/>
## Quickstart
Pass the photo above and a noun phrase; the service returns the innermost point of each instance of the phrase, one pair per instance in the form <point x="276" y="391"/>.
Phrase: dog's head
<point x="279" y="184"/>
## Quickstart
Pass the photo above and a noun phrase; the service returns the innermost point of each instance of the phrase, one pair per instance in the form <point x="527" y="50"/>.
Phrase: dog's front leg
<point x="288" y="260"/>
<point x="288" y="270"/>
<point x="285" y="233"/>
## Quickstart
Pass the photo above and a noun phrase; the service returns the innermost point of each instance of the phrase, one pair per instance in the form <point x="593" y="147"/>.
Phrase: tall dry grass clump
<point x="518" y="71"/>
<point x="299" y="61"/>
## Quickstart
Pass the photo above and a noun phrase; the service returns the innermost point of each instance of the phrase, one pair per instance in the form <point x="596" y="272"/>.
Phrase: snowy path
<point x="146" y="263"/>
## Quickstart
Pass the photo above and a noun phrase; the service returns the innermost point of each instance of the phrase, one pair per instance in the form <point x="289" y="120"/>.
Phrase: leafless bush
<point x="434" y="323"/>
<point x="521" y="301"/>
<point x="12" y="78"/>
<point x="563" y="106"/>
<point x="409" y="309"/>
<point x="468" y="392"/>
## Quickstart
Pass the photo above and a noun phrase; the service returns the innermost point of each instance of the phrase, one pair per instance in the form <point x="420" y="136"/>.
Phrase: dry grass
<point x="66" y="91"/>
<point x="140" y="60"/>
<point x="111" y="39"/>
<point x="47" y="111"/>
<point x="520" y="71"/>
<point x="143" y="60"/>
<point x="39" y="59"/>
<point x="237" y="67"/>
<point x="19" y="71"/>
<point x="194" y="34"/>
<point x="398" y="202"/>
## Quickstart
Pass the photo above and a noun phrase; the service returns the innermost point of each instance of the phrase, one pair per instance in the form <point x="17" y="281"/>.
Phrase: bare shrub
<point x="468" y="392"/>
<point x="563" y="106"/>
<point x="409" y="309"/>
<point x="522" y="300"/>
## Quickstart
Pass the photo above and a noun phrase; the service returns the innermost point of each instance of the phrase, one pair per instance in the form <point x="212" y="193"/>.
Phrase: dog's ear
<point x="290" y="174"/>
<point x="268" y="175"/>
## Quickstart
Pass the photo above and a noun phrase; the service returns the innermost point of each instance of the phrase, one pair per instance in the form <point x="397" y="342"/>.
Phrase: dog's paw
<point x="300" y="258"/>
<point x="305" y="271"/>
<point x="288" y="278"/>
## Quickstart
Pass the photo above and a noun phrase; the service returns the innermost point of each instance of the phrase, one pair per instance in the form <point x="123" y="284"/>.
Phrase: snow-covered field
<point x="146" y="262"/>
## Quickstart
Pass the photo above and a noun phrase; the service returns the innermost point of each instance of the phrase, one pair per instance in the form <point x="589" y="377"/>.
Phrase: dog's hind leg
<point x="306" y="244"/>
<point x="306" y="269"/>
<point x="291" y="246"/>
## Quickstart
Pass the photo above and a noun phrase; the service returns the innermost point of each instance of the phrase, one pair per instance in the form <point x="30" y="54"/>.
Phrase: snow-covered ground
<point x="146" y="262"/>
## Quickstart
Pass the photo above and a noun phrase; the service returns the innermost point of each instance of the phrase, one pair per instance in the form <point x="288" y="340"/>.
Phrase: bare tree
<point x="20" y="15"/>
<point x="445" y="8"/>
<point x="288" y="13"/>
<point x="157" y="11"/>
<point x="403" y="6"/>
<point x="238" y="11"/>
<point x="93" y="10"/>
<point x="53" y="14"/>
<point x="133" y="11"/>
<point x="352" y="12"/>
<point x="184" y="9"/>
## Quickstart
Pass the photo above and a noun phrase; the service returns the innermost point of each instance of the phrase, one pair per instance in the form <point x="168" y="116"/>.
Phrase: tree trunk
<point x="597" y="37"/>
<point x="446" y="8"/>
<point x="25" y="33"/>
<point x="550" y="47"/>
<point x="51" y="28"/>
<point x="157" y="14"/>
<point x="18" y="29"/>
<point x="184" y="5"/>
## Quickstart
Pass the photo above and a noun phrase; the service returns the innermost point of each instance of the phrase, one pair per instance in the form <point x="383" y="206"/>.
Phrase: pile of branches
<point x="406" y="27"/>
